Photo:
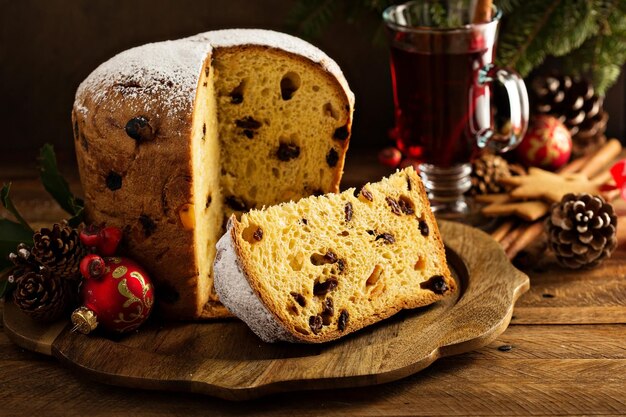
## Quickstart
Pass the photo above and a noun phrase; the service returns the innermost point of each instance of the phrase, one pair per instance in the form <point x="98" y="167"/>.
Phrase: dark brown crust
<point x="164" y="251"/>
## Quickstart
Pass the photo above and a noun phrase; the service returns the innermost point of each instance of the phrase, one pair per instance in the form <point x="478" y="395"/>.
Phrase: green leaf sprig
<point x="57" y="186"/>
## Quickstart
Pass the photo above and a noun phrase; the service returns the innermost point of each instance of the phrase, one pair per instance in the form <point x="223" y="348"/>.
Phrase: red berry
<point x="390" y="156"/>
<point x="110" y="238"/>
<point x="407" y="162"/>
<point x="92" y="266"/>
<point x="90" y="236"/>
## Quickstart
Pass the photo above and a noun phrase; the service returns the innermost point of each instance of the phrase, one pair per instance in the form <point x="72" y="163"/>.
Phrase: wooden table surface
<point x="564" y="353"/>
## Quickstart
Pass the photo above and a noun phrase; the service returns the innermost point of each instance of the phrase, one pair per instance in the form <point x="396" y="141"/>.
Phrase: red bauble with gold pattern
<point x="547" y="144"/>
<point x="117" y="294"/>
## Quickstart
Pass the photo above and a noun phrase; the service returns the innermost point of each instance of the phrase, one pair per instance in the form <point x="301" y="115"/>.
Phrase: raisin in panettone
<point x="172" y="137"/>
<point x="323" y="267"/>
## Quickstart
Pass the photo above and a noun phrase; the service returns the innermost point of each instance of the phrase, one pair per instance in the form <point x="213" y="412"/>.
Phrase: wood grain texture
<point x="226" y="360"/>
<point x="563" y="296"/>
<point x="550" y="370"/>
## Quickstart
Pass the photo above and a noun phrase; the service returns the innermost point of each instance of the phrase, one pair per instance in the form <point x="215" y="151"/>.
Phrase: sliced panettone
<point x="172" y="137"/>
<point x="320" y="268"/>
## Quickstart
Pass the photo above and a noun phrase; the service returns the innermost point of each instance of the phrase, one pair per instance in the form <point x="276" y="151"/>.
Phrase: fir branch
<point x="589" y="30"/>
<point x="518" y="50"/>
<point x="536" y="30"/>
<point x="507" y="5"/>
<point x="310" y="17"/>
<point x="601" y="57"/>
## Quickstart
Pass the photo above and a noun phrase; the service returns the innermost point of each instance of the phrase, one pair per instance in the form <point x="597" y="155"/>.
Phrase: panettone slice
<point x="326" y="266"/>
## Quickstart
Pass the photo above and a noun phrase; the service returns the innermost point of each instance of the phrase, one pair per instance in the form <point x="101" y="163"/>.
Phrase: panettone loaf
<point x="172" y="136"/>
<point x="322" y="267"/>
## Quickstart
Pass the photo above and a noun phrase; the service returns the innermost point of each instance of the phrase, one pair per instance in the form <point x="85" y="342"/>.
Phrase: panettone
<point x="171" y="137"/>
<point x="325" y="266"/>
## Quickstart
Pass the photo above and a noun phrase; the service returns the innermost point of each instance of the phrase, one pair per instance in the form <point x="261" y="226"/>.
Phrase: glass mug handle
<point x="510" y="102"/>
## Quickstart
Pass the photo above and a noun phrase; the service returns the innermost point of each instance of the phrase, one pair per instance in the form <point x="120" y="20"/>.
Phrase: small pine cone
<point x="60" y="250"/>
<point x="582" y="230"/>
<point x="487" y="171"/>
<point x="42" y="295"/>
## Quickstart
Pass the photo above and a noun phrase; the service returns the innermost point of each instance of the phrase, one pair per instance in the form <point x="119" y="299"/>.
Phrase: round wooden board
<point x="227" y="360"/>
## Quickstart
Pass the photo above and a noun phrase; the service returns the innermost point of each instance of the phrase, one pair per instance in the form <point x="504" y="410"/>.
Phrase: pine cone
<point x="23" y="262"/>
<point x="487" y="171"/>
<point x="60" y="250"/>
<point x="573" y="102"/>
<point x="42" y="295"/>
<point x="582" y="230"/>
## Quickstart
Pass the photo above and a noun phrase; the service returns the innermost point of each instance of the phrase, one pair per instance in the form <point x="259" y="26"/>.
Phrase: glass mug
<point x="450" y="100"/>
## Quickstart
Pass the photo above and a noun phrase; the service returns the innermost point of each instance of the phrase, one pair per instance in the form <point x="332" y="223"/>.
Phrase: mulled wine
<point x="439" y="104"/>
<point x="450" y="100"/>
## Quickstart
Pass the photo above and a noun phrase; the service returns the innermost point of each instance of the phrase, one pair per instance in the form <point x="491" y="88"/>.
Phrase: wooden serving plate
<point x="227" y="360"/>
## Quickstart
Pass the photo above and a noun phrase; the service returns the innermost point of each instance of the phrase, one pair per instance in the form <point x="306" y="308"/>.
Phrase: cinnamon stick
<point x="602" y="159"/>
<point x="602" y="177"/>
<point x="528" y="236"/>
<point x="502" y="230"/>
<point x="576" y="164"/>
<point x="482" y="12"/>
<point x="611" y="195"/>
<point x="512" y="236"/>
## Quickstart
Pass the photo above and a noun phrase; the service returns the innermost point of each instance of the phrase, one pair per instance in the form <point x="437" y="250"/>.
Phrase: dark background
<point x="49" y="46"/>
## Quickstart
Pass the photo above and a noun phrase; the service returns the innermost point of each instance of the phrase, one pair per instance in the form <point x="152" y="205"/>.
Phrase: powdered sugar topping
<point x="162" y="75"/>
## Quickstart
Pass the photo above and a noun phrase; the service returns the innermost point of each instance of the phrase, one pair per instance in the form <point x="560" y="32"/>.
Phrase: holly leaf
<point x="57" y="186"/>
<point x="5" y="199"/>
<point x="12" y="234"/>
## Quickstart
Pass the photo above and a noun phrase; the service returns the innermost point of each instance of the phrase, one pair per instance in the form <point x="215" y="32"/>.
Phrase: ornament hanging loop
<point x="84" y="320"/>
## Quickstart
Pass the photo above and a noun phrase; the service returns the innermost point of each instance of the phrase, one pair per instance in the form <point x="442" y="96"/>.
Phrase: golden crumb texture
<point x="329" y="265"/>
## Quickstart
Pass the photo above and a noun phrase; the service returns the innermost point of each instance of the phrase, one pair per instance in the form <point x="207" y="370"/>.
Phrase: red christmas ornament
<point x="408" y="162"/>
<point x="116" y="294"/>
<point x="547" y="144"/>
<point x="390" y="156"/>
